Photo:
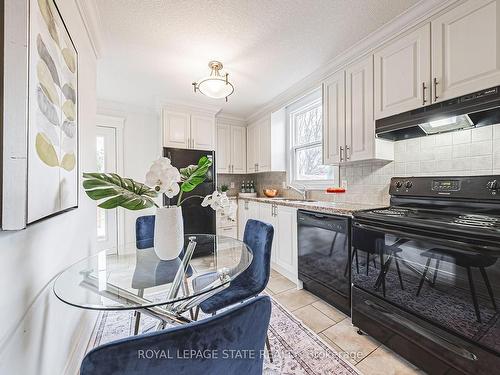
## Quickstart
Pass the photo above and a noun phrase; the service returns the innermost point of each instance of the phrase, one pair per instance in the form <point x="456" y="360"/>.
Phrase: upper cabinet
<point x="231" y="148"/>
<point x="182" y="129"/>
<point x="348" y="123"/>
<point x="402" y="73"/>
<point x="466" y="49"/>
<point x="266" y="144"/>
<point x="456" y="53"/>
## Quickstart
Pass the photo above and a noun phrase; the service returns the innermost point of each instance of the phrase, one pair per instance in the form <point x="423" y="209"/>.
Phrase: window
<point x="305" y="126"/>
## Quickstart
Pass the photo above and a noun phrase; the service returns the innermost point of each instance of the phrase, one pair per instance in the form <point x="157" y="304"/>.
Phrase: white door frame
<point x="116" y="123"/>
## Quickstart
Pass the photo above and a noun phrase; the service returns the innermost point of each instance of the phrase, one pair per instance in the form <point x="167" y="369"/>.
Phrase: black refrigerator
<point x="197" y="219"/>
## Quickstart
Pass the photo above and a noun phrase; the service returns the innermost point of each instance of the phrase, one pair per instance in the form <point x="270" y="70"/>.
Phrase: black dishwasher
<point x="324" y="264"/>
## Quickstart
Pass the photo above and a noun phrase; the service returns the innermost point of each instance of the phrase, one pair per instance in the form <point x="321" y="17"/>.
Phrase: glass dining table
<point x="141" y="281"/>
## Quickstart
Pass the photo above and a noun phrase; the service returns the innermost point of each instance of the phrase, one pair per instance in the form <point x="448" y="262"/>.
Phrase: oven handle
<point x="441" y="341"/>
<point x="447" y="242"/>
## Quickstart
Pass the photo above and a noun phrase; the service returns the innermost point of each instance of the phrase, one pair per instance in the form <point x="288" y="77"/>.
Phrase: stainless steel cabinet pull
<point x="341" y="153"/>
<point x="347" y="152"/>
<point x="435" y="81"/>
<point x="423" y="93"/>
<point x="246" y="205"/>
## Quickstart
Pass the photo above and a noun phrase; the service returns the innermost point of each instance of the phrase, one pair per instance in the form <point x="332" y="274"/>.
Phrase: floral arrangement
<point x="162" y="178"/>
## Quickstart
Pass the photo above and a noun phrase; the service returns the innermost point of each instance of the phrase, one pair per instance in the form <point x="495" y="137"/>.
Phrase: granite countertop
<point x="336" y="208"/>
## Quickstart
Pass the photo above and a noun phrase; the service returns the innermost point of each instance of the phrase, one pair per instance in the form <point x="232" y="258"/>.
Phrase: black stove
<point x="425" y="272"/>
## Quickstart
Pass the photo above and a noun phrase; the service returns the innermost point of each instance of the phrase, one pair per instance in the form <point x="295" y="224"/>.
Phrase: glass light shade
<point x="447" y="124"/>
<point x="215" y="87"/>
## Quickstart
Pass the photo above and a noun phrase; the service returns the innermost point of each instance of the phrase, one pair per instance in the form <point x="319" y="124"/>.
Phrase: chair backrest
<point x="211" y="346"/>
<point x="145" y="231"/>
<point x="258" y="236"/>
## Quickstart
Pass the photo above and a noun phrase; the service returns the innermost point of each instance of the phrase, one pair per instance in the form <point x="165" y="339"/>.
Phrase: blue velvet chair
<point x="241" y="329"/>
<point x="259" y="237"/>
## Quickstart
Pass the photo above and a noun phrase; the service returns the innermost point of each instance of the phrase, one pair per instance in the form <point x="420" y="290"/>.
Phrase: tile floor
<point x="333" y="326"/>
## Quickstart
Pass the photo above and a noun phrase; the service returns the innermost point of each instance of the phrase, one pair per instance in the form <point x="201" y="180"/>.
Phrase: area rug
<point x="296" y="349"/>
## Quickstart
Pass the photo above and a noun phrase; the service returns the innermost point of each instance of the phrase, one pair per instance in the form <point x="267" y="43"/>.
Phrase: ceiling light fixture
<point x="215" y="86"/>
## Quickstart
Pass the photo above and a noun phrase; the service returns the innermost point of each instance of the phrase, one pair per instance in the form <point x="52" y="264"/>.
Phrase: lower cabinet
<point x="284" y="221"/>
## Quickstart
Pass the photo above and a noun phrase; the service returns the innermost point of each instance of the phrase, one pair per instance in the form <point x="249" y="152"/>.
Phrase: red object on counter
<point x="333" y="190"/>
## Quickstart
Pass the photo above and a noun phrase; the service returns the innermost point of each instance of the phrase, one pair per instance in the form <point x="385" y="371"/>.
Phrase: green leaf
<point x="194" y="175"/>
<point x="118" y="192"/>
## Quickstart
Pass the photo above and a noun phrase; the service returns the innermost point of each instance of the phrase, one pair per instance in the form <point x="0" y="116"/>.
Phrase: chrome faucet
<point x="302" y="191"/>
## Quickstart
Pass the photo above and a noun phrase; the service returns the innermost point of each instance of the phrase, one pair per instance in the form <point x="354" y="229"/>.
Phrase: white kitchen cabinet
<point x="466" y="49"/>
<point x="266" y="214"/>
<point x="334" y="118"/>
<point x="348" y="123"/>
<point x="176" y="129"/>
<point x="402" y="73"/>
<point x="285" y="237"/>
<point x="223" y="149"/>
<point x="182" y="129"/>
<point x="246" y="210"/>
<point x="231" y="148"/>
<point x="203" y="132"/>
<point x="266" y="144"/>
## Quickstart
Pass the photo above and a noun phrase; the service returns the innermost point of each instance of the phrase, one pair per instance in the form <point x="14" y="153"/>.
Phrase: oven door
<point x="454" y="284"/>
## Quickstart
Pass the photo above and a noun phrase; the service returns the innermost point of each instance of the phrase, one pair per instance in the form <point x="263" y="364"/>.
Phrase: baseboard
<point x="290" y="276"/>
<point x="85" y="329"/>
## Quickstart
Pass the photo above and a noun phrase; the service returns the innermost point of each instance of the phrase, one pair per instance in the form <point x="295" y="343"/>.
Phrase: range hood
<point x="480" y="108"/>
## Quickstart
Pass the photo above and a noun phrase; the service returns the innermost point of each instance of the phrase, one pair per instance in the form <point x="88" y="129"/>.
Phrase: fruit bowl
<point x="270" y="193"/>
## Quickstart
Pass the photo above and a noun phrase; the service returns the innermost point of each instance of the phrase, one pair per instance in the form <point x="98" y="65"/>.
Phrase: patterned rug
<point x="296" y="349"/>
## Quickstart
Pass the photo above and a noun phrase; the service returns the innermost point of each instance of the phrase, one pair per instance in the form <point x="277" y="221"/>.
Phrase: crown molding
<point x="228" y="118"/>
<point x="188" y="107"/>
<point x="419" y="13"/>
<point x="93" y="24"/>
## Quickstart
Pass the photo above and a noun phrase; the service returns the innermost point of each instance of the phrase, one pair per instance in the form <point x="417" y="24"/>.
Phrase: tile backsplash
<point x="465" y="152"/>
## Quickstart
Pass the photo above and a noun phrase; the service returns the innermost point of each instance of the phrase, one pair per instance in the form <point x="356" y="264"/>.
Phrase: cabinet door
<point x="251" y="148"/>
<point x="466" y="49"/>
<point x="242" y="217"/>
<point x="334" y="118"/>
<point x="223" y="148"/>
<point x="286" y="235"/>
<point x="402" y="73"/>
<point x="203" y="132"/>
<point x="267" y="216"/>
<point x="360" y="125"/>
<point x="238" y="150"/>
<point x="176" y="129"/>
<point x="264" y="146"/>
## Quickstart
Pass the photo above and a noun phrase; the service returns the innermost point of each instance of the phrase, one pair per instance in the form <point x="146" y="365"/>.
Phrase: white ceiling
<point x="154" y="49"/>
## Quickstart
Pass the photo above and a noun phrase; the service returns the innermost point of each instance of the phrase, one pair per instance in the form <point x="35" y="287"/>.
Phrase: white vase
<point x="169" y="232"/>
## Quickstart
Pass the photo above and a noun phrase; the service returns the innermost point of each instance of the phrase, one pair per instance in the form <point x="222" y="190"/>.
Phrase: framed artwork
<point x="52" y="114"/>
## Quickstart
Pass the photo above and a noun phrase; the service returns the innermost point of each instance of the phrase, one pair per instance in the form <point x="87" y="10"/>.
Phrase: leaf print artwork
<point x="47" y="108"/>
<point x="47" y="59"/>
<point x="46" y="151"/>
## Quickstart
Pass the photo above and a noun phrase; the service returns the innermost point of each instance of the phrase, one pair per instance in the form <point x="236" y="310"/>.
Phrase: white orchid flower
<point x="164" y="177"/>
<point x="219" y="202"/>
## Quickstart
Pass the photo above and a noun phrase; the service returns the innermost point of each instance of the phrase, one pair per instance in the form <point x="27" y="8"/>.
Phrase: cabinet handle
<point x="423" y="93"/>
<point x="246" y="205"/>
<point x="435" y="81"/>
<point x="341" y="153"/>
<point x="347" y="152"/>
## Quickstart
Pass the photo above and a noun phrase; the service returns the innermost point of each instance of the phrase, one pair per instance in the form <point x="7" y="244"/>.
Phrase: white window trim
<point x="291" y="110"/>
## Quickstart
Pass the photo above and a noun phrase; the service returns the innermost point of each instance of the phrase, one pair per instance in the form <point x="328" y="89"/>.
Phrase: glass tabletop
<point x="141" y="280"/>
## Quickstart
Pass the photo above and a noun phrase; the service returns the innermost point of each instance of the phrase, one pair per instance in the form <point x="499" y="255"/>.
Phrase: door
<point x="360" y="125"/>
<point x="223" y="148"/>
<point x="202" y="132"/>
<point x="449" y="280"/>
<point x="466" y="49"/>
<point x="266" y="214"/>
<point x="334" y="118"/>
<point x="251" y="148"/>
<point x="107" y="228"/>
<point x="264" y="146"/>
<point x="176" y="129"/>
<point x="238" y="150"/>
<point x="286" y="240"/>
<point x="402" y="73"/>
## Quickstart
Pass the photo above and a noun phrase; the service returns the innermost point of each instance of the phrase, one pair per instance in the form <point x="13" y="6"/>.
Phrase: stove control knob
<point x="399" y="184"/>
<point x="408" y="184"/>
<point x="493" y="185"/>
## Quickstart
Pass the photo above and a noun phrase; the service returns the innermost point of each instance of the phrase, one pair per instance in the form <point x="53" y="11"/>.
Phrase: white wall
<point x="38" y="332"/>
<point x="141" y="145"/>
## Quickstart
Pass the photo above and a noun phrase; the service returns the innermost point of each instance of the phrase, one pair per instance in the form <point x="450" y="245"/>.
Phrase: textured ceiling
<point x="154" y="49"/>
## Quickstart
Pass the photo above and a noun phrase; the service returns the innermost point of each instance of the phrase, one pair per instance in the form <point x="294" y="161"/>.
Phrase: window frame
<point x="302" y="105"/>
